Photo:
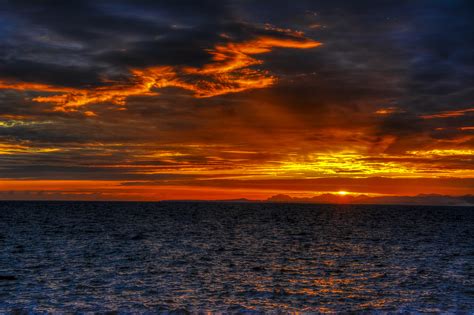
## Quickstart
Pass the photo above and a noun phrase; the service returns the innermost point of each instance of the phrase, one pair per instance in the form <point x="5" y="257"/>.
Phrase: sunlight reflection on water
<point x="136" y="257"/>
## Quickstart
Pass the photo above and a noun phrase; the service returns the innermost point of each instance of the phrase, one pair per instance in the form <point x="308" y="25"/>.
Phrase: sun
<point x="342" y="193"/>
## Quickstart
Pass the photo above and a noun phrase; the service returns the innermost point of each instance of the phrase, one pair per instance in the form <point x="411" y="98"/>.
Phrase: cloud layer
<point x="236" y="98"/>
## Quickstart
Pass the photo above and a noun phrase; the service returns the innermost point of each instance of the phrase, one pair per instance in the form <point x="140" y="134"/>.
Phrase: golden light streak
<point x="9" y="123"/>
<point x="445" y="152"/>
<point x="353" y="164"/>
<point x="413" y="164"/>
<point x="7" y="149"/>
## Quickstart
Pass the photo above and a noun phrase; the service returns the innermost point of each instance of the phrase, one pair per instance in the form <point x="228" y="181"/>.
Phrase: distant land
<point x="327" y="198"/>
<point x="422" y="199"/>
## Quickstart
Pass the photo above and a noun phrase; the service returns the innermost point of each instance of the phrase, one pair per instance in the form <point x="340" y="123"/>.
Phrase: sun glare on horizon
<point x="342" y="193"/>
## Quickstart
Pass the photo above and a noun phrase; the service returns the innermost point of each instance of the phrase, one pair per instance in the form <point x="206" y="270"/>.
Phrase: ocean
<point x="179" y="257"/>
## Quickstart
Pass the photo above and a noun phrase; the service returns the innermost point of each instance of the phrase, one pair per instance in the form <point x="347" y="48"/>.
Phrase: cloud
<point x="228" y="90"/>
<point x="229" y="72"/>
<point x="448" y="114"/>
<point x="387" y="110"/>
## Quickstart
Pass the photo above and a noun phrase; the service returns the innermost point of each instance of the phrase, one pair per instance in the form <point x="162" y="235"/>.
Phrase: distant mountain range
<point x="423" y="199"/>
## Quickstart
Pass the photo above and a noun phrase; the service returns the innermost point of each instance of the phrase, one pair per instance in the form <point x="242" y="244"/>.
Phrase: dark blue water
<point x="151" y="257"/>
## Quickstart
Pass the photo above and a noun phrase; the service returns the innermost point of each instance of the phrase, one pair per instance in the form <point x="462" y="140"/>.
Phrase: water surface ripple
<point x="234" y="257"/>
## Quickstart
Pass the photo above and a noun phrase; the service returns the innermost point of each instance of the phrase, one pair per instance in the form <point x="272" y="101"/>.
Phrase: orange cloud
<point x="141" y="83"/>
<point x="447" y="114"/>
<point x="387" y="111"/>
<point x="233" y="56"/>
<point x="228" y="72"/>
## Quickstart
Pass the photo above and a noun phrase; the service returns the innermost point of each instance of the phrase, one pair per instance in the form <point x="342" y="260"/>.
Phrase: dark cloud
<point x="30" y="71"/>
<point x="82" y="40"/>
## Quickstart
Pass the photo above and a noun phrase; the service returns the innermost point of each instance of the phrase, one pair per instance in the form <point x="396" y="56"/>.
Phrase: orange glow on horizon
<point x="253" y="190"/>
<point x="227" y="172"/>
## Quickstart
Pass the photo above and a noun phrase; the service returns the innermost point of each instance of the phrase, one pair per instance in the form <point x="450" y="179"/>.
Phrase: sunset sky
<point x="153" y="100"/>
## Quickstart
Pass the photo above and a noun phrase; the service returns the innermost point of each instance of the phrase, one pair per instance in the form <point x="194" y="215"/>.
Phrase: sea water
<point x="234" y="257"/>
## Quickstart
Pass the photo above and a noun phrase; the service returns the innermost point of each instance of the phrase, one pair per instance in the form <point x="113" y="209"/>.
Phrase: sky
<point x="156" y="100"/>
